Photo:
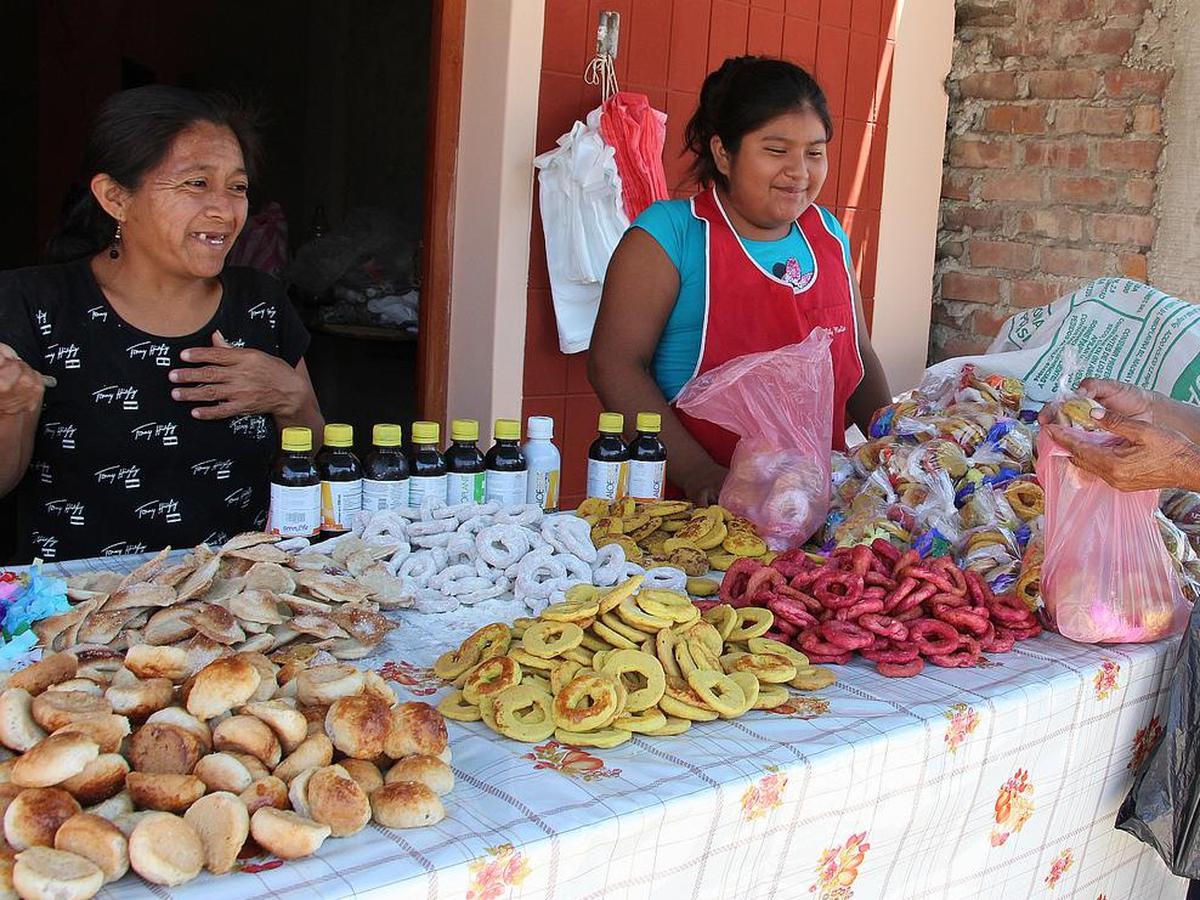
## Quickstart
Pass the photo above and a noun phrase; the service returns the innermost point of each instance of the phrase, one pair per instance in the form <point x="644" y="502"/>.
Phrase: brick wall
<point x="1055" y="132"/>
<point x="666" y="49"/>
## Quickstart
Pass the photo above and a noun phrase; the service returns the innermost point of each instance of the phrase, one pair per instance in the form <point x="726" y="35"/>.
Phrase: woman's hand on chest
<point x="20" y="386"/>
<point x="235" y="381"/>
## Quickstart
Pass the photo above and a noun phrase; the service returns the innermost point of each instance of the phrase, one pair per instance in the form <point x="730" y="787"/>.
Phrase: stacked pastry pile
<point x="947" y="469"/>
<point x="249" y="595"/>
<point x="673" y="533"/>
<point x="452" y="555"/>
<point x="607" y="663"/>
<point x="136" y="764"/>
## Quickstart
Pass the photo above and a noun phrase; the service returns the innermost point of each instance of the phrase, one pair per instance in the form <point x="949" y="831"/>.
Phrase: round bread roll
<point x="99" y="667"/>
<point x="147" y="661"/>
<point x="298" y="793"/>
<point x="406" y="804"/>
<point x="84" y="685"/>
<point x="223" y="772"/>
<point x="321" y="685"/>
<point x="140" y="699"/>
<point x="286" y="691"/>
<point x="287" y="835"/>
<point x="178" y="716"/>
<point x="162" y="748"/>
<point x="34" y="816"/>
<point x="50" y="669"/>
<point x="6" y="770"/>
<point x="269" y="791"/>
<point x="366" y="773"/>
<point x="115" y="806"/>
<point x="56" y="709"/>
<point x="359" y="725"/>
<point x="315" y="716"/>
<point x="109" y="732"/>
<point x="246" y="734"/>
<point x="286" y="679"/>
<point x="123" y="678"/>
<point x="164" y="849"/>
<point x="41" y="873"/>
<point x="166" y="792"/>
<point x="223" y="824"/>
<point x="54" y="760"/>
<point x="96" y="839"/>
<point x="7" y="890"/>
<point x="100" y="779"/>
<point x="427" y="770"/>
<point x="444" y="756"/>
<point x="288" y="723"/>
<point x="252" y="763"/>
<point x="221" y="685"/>
<point x="126" y="822"/>
<point x="8" y="793"/>
<point x="267" y="670"/>
<point x="18" y="729"/>
<point x="417" y="728"/>
<point x="374" y="684"/>
<point x="335" y="799"/>
<point x="314" y="752"/>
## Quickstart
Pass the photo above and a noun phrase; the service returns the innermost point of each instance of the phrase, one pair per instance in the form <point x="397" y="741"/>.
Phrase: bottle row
<point x="321" y="494"/>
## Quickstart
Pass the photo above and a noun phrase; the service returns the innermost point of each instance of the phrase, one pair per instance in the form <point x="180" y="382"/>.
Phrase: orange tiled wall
<point x="666" y="49"/>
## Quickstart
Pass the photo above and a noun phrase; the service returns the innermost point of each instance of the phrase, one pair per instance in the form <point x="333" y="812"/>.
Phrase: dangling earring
<point x="114" y="249"/>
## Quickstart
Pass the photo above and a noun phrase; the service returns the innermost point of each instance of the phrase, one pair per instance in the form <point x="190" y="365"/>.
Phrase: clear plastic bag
<point x="780" y="403"/>
<point x="1106" y="576"/>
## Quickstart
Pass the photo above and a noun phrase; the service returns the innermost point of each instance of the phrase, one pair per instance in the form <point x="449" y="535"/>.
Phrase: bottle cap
<point x="297" y="440"/>
<point x="612" y="423"/>
<point x="507" y="430"/>
<point x="540" y="428"/>
<point x="650" y="422"/>
<point x="464" y="430"/>
<point x="426" y="432"/>
<point x="384" y="435"/>
<point x="339" y="435"/>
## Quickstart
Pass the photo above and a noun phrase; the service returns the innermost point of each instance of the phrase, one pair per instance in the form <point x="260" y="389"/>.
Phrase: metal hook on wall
<point x="600" y="70"/>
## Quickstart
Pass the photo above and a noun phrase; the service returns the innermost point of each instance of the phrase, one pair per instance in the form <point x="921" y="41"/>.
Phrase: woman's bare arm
<point x="873" y="391"/>
<point x="640" y="290"/>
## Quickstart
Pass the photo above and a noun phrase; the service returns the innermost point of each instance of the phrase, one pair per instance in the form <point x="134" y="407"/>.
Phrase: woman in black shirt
<point x="173" y="373"/>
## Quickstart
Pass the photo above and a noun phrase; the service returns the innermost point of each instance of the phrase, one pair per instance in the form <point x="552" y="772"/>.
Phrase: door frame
<point x="437" y="223"/>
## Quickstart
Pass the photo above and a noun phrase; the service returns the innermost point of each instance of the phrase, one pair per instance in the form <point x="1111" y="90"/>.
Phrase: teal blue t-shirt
<point x="681" y="235"/>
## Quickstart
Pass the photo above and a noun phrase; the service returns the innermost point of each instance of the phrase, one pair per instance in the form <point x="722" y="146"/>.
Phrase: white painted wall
<point x="502" y="57"/>
<point x="912" y="189"/>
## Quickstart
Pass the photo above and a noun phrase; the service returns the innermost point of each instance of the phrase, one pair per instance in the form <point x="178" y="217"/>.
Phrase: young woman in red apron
<point x="760" y="136"/>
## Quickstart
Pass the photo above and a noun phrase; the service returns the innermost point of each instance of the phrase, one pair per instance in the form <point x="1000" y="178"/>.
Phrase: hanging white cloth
<point x="583" y="218"/>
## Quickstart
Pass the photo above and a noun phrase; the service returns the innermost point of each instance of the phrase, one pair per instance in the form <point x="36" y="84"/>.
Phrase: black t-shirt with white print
<point x="118" y="466"/>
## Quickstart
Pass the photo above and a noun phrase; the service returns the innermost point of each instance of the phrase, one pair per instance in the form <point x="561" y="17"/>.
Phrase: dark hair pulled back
<point x="130" y="135"/>
<point x="742" y="95"/>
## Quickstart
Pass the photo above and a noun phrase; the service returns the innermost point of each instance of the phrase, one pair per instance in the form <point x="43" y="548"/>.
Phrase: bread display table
<point x="1001" y="781"/>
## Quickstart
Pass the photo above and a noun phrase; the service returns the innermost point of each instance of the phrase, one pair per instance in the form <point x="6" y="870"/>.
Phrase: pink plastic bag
<point x="1106" y="577"/>
<point x="780" y="403"/>
<point x="637" y="132"/>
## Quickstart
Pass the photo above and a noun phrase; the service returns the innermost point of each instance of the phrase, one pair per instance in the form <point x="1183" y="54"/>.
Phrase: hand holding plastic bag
<point x="780" y="403"/>
<point x="1106" y="575"/>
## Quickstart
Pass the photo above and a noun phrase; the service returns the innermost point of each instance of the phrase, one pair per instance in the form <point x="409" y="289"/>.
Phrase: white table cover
<point x="1001" y="781"/>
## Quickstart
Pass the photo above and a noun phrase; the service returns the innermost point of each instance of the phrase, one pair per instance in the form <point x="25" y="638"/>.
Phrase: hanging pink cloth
<point x="636" y="132"/>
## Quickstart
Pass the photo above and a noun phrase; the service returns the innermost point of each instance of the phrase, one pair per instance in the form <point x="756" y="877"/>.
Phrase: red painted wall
<point x="666" y="48"/>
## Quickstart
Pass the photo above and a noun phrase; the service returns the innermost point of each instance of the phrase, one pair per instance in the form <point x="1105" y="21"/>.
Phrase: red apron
<point x="749" y="310"/>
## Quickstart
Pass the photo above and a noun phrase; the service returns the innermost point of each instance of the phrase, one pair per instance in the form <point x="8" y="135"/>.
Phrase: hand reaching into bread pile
<point x="141" y="763"/>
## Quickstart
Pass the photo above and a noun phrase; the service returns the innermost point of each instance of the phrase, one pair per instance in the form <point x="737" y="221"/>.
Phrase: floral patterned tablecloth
<point x="1001" y="781"/>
